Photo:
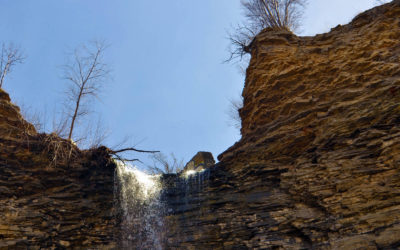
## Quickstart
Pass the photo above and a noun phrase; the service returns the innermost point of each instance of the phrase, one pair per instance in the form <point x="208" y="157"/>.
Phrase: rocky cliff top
<point x="12" y="124"/>
<point x="46" y="200"/>
<point x="299" y="87"/>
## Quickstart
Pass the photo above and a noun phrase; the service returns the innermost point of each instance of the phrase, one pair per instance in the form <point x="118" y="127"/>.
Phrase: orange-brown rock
<point x="200" y="161"/>
<point x="318" y="164"/>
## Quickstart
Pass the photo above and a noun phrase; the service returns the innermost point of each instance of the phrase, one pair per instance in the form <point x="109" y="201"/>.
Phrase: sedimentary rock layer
<point x="318" y="165"/>
<point x="50" y="204"/>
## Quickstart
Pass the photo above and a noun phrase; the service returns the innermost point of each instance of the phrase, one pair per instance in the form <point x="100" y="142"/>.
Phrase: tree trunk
<point x="75" y="113"/>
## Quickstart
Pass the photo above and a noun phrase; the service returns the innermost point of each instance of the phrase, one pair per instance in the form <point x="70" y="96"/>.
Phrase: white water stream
<point x="141" y="210"/>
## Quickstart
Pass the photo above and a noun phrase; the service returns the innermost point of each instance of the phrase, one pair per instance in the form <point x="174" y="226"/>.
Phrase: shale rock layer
<point x="45" y="202"/>
<point x="318" y="165"/>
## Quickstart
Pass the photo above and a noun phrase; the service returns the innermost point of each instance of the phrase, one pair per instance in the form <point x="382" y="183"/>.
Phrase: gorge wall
<point x="318" y="165"/>
<point x="51" y="204"/>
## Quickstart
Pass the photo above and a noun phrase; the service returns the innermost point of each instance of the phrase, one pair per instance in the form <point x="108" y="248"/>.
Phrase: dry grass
<point x="59" y="151"/>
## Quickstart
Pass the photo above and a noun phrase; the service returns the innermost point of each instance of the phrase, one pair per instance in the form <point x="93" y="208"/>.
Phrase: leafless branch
<point x="233" y="112"/>
<point x="132" y="149"/>
<point x="261" y="14"/>
<point x="9" y="57"/>
<point x="240" y="39"/>
<point x="125" y="160"/>
<point x="86" y="74"/>
<point x="163" y="165"/>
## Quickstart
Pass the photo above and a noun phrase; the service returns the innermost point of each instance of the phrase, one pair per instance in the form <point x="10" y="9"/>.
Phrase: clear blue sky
<point x="170" y="90"/>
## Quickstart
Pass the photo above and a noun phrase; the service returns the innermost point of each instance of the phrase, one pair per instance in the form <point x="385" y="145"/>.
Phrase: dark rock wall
<point x="241" y="209"/>
<point x="42" y="205"/>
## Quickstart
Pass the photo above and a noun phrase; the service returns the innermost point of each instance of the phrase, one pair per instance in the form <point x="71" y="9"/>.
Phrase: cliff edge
<point x="318" y="164"/>
<point x="322" y="115"/>
<point x="45" y="201"/>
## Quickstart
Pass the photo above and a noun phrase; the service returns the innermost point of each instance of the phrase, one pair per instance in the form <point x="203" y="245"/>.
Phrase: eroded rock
<point x="317" y="166"/>
<point x="46" y="203"/>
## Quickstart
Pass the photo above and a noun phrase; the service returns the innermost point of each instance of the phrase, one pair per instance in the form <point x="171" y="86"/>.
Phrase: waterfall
<point x="139" y="208"/>
<point x="143" y="203"/>
<point x="194" y="183"/>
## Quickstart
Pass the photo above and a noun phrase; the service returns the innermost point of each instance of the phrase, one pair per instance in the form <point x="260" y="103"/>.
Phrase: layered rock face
<point x="318" y="165"/>
<point x="51" y="204"/>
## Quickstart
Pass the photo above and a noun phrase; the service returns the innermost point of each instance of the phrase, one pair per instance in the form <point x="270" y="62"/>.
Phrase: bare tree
<point x="261" y="14"/>
<point x="163" y="165"/>
<point x="9" y="57"/>
<point x="240" y="40"/>
<point x="279" y="14"/>
<point x="86" y="74"/>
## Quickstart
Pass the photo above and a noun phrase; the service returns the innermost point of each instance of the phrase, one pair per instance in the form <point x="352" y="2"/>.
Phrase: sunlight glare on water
<point x="189" y="173"/>
<point x="149" y="183"/>
<point x="137" y="198"/>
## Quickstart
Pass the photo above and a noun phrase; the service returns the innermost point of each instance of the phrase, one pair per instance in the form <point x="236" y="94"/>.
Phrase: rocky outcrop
<point x="200" y="161"/>
<point x="12" y="125"/>
<point x="318" y="165"/>
<point x="46" y="202"/>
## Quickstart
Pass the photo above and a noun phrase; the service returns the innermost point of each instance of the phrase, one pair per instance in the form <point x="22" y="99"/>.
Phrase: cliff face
<point x="318" y="165"/>
<point x="50" y="204"/>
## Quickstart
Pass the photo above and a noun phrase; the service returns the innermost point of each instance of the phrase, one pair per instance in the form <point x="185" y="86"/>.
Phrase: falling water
<point x="196" y="179"/>
<point x="142" y="204"/>
<point x="140" y="210"/>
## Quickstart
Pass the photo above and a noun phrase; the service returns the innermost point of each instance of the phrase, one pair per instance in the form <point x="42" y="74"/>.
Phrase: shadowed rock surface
<point x="49" y="205"/>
